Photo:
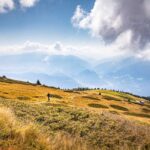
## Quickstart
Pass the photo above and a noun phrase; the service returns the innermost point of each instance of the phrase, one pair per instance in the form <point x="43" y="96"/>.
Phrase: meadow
<point x="72" y="120"/>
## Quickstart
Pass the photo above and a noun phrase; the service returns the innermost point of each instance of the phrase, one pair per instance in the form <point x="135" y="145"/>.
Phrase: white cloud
<point x="109" y="19"/>
<point x="6" y="5"/>
<point x="91" y="51"/>
<point x="28" y="3"/>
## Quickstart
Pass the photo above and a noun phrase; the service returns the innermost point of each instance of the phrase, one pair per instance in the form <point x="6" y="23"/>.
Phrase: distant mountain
<point x="131" y="75"/>
<point x="89" y="78"/>
<point x="69" y="64"/>
<point x="128" y="74"/>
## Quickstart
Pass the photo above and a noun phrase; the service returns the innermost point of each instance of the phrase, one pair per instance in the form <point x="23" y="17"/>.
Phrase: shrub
<point x="97" y="105"/>
<point x="56" y="96"/>
<point x="111" y="98"/>
<point x="119" y="107"/>
<point x="146" y="110"/>
<point x="137" y="114"/>
<point x="23" y="98"/>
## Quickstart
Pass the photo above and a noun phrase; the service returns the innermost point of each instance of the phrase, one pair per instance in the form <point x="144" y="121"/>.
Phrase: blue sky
<point x="95" y="43"/>
<point x="48" y="21"/>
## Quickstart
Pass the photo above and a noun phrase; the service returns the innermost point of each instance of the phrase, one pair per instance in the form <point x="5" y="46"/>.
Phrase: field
<point x="92" y="119"/>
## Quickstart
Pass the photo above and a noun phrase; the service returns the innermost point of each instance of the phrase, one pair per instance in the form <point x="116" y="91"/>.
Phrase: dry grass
<point x="70" y="120"/>
<point x="28" y="92"/>
<point x="99" y="131"/>
<point x="15" y="136"/>
<point x="90" y="98"/>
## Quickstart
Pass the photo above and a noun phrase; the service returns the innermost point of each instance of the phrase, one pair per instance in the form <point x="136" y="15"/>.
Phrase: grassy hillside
<point x="73" y="119"/>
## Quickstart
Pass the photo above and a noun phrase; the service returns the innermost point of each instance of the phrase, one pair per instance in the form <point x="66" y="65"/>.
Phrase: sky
<point x="96" y="31"/>
<point x="42" y="20"/>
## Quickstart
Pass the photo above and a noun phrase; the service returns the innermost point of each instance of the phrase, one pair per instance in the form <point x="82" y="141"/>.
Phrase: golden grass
<point x="81" y="99"/>
<point x="99" y="131"/>
<point x="15" y="136"/>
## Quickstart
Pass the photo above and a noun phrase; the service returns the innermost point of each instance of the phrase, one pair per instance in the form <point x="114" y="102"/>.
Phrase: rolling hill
<point x="101" y="119"/>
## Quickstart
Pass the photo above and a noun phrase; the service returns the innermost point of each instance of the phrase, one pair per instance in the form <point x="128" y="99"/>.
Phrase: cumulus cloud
<point x="110" y="19"/>
<point x="28" y="3"/>
<point x="6" y="5"/>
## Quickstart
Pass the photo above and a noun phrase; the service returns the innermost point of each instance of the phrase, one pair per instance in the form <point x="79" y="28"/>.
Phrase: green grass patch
<point x="119" y="107"/>
<point x="146" y="110"/>
<point x="138" y="114"/>
<point x="98" y="106"/>
<point x="38" y="96"/>
<point x="111" y="98"/>
<point x="56" y="96"/>
<point x="3" y="97"/>
<point x="23" y="98"/>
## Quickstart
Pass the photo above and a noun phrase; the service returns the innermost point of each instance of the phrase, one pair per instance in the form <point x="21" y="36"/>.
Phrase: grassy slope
<point x="98" y="119"/>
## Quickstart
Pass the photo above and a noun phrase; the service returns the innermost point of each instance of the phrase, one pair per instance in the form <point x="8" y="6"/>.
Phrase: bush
<point x="56" y="96"/>
<point x="137" y="114"/>
<point x="119" y="107"/>
<point x="146" y="110"/>
<point x="97" y="105"/>
<point x="111" y="98"/>
<point x="23" y="98"/>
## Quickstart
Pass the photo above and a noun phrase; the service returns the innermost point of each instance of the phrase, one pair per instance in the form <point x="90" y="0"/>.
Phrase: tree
<point x="4" y="77"/>
<point x="38" y="82"/>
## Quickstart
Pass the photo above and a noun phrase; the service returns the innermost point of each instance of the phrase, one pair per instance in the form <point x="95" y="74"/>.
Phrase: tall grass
<point x="15" y="136"/>
<point x="103" y="131"/>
